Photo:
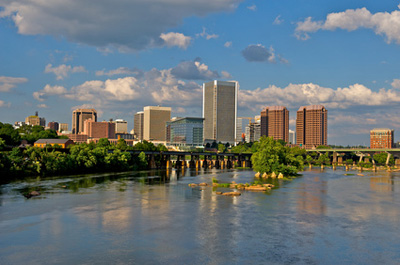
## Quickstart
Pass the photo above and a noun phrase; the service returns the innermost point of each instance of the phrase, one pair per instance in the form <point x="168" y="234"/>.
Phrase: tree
<point x="103" y="142"/>
<point x="221" y="148"/>
<point x="381" y="158"/>
<point x="2" y="144"/>
<point x="272" y="156"/>
<point x="9" y="134"/>
<point x="121" y="144"/>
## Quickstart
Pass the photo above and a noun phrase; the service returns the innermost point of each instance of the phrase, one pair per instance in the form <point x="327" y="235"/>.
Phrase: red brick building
<point x="102" y="129"/>
<point x="275" y="123"/>
<point x="312" y="126"/>
<point x="382" y="138"/>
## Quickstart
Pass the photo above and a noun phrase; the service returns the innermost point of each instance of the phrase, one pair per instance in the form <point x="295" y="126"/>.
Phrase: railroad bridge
<point x="179" y="159"/>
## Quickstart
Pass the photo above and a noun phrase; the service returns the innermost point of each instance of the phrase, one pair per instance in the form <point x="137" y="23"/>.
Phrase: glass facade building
<point x="185" y="132"/>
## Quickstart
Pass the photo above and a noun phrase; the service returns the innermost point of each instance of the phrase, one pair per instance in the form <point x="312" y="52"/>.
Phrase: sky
<point x="119" y="56"/>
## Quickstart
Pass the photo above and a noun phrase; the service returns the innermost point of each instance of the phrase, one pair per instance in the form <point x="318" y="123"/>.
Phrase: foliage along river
<point x="139" y="218"/>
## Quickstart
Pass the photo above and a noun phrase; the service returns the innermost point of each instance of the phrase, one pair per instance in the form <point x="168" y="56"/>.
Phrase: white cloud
<point x="226" y="75"/>
<point x="7" y="83"/>
<point x="133" y="25"/>
<point x="396" y="83"/>
<point x="176" y="39"/>
<point x="42" y="106"/>
<point x="307" y="94"/>
<point x="382" y="23"/>
<point x="62" y="71"/>
<point x="278" y="20"/>
<point x="228" y="44"/>
<point x="4" y="104"/>
<point x="48" y="90"/>
<point x="119" y="71"/>
<point x="207" y="36"/>
<point x="252" y="7"/>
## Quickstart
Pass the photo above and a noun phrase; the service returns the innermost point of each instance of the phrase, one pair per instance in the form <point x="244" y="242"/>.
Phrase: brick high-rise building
<point x="53" y="125"/>
<point x="382" y="138"/>
<point x="79" y="116"/>
<point x="275" y="123"/>
<point x="220" y="111"/>
<point x="138" y="124"/>
<point x="154" y="122"/>
<point x="312" y="126"/>
<point x="102" y="129"/>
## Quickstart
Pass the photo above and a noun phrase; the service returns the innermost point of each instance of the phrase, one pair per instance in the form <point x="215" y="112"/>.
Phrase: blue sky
<point x="118" y="56"/>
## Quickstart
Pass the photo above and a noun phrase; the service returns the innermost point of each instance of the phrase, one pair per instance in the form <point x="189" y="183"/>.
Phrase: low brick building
<point x="63" y="143"/>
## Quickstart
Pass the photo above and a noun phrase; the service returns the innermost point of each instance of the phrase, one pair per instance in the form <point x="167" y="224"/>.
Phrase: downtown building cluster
<point x="219" y="124"/>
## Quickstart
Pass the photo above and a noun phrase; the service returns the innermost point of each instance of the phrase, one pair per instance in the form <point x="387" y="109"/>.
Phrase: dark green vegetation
<point x="274" y="156"/>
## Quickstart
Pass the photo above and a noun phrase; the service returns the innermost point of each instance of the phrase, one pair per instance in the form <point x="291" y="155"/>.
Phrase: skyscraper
<point x="154" y="122"/>
<point x="382" y="138"/>
<point x="220" y="111"/>
<point x="78" y="118"/>
<point x="275" y="123"/>
<point x="138" y="125"/>
<point x="312" y="126"/>
<point x="121" y="126"/>
<point x="292" y="137"/>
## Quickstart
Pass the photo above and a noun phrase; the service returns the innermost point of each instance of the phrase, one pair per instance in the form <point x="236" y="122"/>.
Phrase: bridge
<point x="361" y="152"/>
<point x="197" y="159"/>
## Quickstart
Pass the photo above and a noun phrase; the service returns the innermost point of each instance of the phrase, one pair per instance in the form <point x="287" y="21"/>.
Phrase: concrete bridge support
<point x="388" y="158"/>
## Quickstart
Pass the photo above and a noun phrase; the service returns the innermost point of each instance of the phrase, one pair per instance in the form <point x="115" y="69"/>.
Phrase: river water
<point x="323" y="217"/>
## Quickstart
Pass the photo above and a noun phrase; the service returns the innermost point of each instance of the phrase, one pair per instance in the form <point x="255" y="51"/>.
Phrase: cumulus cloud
<point x="226" y="75"/>
<point x="278" y="20"/>
<point x="176" y="39"/>
<point x="207" y="36"/>
<point x="396" y="83"/>
<point x="48" y="90"/>
<point x="62" y="71"/>
<point x="228" y="44"/>
<point x="258" y="53"/>
<point x="120" y="71"/>
<point x="133" y="25"/>
<point x="382" y="23"/>
<point x="7" y="83"/>
<point x="194" y="70"/>
<point x="307" y="94"/>
<point x="4" y="104"/>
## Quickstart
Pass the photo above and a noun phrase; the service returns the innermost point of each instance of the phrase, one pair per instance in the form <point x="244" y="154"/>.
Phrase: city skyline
<point x="339" y="54"/>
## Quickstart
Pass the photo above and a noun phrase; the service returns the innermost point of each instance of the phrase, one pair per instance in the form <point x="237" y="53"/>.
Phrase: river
<point x="322" y="217"/>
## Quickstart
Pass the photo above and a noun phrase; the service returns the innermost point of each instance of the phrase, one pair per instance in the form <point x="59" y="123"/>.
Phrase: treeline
<point x="77" y="159"/>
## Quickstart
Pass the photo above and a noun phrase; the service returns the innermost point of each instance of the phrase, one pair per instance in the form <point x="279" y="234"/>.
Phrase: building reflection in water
<point x="382" y="184"/>
<point x="312" y="197"/>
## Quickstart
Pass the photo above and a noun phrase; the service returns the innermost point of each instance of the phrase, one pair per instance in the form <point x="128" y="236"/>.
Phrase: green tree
<point x="381" y="158"/>
<point x="309" y="159"/>
<point x="221" y="148"/>
<point x="121" y="144"/>
<point x="103" y="142"/>
<point x="9" y="134"/>
<point x="2" y="144"/>
<point x="272" y="156"/>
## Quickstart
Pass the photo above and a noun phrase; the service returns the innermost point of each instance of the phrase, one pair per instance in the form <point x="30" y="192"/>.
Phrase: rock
<point x="264" y="176"/>
<point x="233" y="182"/>
<point x="203" y="184"/>
<point x="360" y="175"/>
<point x="280" y="176"/>
<point x="219" y="193"/>
<point x="255" y="188"/>
<point x="233" y="193"/>
<point x="273" y="175"/>
<point x="32" y="194"/>
<point x="215" y="184"/>
<point x="193" y="185"/>
<point x="257" y="175"/>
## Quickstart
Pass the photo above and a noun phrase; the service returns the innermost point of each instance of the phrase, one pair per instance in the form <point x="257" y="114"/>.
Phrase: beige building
<point x="35" y="120"/>
<point x="312" y="126"/>
<point x="121" y="126"/>
<point x="78" y="118"/>
<point x="138" y="125"/>
<point x="63" y="127"/>
<point x="154" y="122"/>
<point x="220" y="111"/>
<point x="275" y="123"/>
<point x="102" y="129"/>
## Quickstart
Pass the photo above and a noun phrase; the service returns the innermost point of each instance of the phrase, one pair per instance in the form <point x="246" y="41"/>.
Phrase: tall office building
<point x="275" y="123"/>
<point x="78" y="118"/>
<point x="63" y="127"/>
<point x="138" y="124"/>
<point x="253" y="132"/>
<point x="121" y="126"/>
<point x="53" y="125"/>
<point x="312" y="126"/>
<point x="154" y="122"/>
<point x="220" y="111"/>
<point x="382" y="138"/>
<point x="186" y="132"/>
<point x="292" y="137"/>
